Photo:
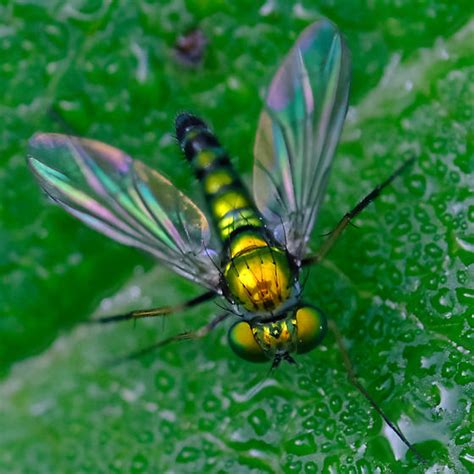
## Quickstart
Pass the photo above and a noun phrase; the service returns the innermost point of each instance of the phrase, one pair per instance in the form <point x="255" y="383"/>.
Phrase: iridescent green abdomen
<point x="258" y="273"/>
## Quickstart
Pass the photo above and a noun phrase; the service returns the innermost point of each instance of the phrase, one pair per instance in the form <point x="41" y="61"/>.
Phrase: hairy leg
<point x="154" y="312"/>
<point x="196" y="334"/>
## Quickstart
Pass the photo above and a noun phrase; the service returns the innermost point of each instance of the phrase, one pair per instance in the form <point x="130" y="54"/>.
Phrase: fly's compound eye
<point x="311" y="327"/>
<point x="243" y="343"/>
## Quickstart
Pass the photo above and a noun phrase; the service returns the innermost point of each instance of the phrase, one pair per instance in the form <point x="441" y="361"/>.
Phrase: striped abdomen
<point x="228" y="201"/>
<point x="258" y="273"/>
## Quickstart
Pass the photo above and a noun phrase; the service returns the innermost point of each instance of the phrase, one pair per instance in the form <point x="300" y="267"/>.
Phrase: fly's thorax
<point x="258" y="275"/>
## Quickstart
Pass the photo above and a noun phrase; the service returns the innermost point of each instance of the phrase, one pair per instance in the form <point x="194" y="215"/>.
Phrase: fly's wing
<point x="125" y="200"/>
<point x="299" y="128"/>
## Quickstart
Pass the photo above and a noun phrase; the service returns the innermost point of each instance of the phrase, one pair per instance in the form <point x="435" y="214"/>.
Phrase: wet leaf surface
<point x="399" y="285"/>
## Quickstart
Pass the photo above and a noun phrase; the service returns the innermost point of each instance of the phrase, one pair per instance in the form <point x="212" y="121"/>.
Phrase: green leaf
<point x="399" y="285"/>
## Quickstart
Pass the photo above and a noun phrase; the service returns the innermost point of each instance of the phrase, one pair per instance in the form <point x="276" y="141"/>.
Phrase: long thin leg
<point x="345" y="221"/>
<point x="196" y="334"/>
<point x="153" y="312"/>
<point x="354" y="381"/>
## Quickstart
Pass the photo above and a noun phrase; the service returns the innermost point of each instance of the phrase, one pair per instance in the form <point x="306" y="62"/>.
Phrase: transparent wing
<point x="299" y="128"/>
<point x="125" y="200"/>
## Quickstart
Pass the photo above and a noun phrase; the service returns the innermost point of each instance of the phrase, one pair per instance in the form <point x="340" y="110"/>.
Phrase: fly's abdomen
<point x="229" y="202"/>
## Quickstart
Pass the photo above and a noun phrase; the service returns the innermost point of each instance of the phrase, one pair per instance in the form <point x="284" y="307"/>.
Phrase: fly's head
<point x="298" y="331"/>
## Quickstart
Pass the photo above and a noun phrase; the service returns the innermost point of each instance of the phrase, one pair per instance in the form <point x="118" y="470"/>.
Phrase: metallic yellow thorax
<point x="258" y="275"/>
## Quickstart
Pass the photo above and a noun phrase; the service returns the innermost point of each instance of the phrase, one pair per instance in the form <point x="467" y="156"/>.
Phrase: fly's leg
<point x="196" y="334"/>
<point x="346" y="220"/>
<point x="352" y="376"/>
<point x="154" y="312"/>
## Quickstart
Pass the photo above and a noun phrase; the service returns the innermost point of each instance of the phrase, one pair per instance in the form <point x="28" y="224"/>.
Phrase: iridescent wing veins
<point x="125" y="200"/>
<point x="298" y="131"/>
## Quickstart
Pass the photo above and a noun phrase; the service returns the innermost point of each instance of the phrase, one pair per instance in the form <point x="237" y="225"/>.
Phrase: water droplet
<point x="395" y="277"/>
<point x="384" y="387"/>
<point x="321" y="410"/>
<point x="443" y="301"/>
<point x="470" y="213"/>
<point x="310" y="424"/>
<point x="447" y="219"/>
<point x="467" y="458"/>
<point x="139" y="464"/>
<point x="465" y="295"/>
<point x="461" y="276"/>
<point x="259" y="421"/>
<point x="421" y="215"/>
<point x="145" y="437"/>
<point x="304" y="383"/>
<point x="413" y="268"/>
<point x="464" y="374"/>
<point x="206" y="424"/>
<point x="417" y="184"/>
<point x="432" y="250"/>
<point x="326" y="447"/>
<point x="163" y="381"/>
<point x="402" y="227"/>
<point x="310" y="467"/>
<point x="448" y="370"/>
<point x="463" y="437"/>
<point x="428" y="228"/>
<point x="335" y="403"/>
<point x="188" y="454"/>
<point x="454" y="177"/>
<point x="211" y="403"/>
<point x="293" y="466"/>
<point x="330" y="428"/>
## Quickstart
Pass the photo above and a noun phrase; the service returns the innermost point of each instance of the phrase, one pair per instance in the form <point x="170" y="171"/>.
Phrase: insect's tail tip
<point x="184" y="121"/>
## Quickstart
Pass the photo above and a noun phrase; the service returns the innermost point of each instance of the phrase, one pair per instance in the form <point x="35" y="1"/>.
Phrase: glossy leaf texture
<point x="298" y="132"/>
<point x="398" y="284"/>
<point x="125" y="200"/>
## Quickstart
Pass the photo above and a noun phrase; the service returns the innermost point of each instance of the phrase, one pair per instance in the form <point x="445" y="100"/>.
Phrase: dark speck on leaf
<point x="190" y="48"/>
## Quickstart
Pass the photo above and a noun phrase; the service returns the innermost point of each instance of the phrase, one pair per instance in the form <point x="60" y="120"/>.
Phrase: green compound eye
<point x="311" y="327"/>
<point x="243" y="343"/>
